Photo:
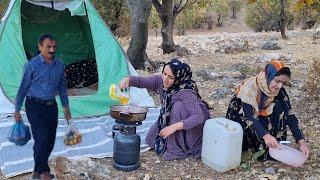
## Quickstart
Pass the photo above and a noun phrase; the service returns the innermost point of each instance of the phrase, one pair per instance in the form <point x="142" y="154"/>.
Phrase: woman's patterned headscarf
<point x="183" y="80"/>
<point x="255" y="91"/>
<point x="271" y="69"/>
<point x="183" y="76"/>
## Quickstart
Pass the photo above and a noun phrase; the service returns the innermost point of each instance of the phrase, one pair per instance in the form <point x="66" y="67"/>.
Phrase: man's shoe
<point x="35" y="175"/>
<point x="51" y="175"/>
<point x="46" y="176"/>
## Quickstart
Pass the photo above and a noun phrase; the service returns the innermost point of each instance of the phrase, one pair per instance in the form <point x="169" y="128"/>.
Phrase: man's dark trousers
<point x="43" y="119"/>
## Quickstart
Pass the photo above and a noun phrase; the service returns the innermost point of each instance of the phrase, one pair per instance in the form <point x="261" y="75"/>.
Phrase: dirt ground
<point x="224" y="72"/>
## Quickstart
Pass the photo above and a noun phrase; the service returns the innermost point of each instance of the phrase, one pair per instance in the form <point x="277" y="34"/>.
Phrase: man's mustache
<point x="52" y="53"/>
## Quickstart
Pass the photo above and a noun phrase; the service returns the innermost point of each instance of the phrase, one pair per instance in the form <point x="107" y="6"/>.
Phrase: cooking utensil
<point x="128" y="113"/>
<point x="288" y="155"/>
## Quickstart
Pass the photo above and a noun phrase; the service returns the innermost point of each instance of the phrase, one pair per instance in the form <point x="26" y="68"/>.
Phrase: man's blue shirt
<point x="43" y="81"/>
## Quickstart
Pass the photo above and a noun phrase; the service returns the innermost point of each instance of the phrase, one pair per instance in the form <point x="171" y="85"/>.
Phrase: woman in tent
<point x="262" y="107"/>
<point x="177" y="134"/>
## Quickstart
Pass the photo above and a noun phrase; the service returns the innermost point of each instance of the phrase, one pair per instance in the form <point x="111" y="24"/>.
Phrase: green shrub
<point x="154" y="20"/>
<point x="185" y="20"/>
<point x="264" y="15"/>
<point x="249" y="71"/>
<point x="116" y="14"/>
<point x="3" y="6"/>
<point x="220" y="8"/>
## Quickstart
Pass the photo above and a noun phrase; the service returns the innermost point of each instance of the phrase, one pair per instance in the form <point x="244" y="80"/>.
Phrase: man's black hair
<point x="45" y="36"/>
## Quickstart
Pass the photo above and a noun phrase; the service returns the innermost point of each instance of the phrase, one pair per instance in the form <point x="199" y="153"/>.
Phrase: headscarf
<point x="255" y="91"/>
<point x="183" y="80"/>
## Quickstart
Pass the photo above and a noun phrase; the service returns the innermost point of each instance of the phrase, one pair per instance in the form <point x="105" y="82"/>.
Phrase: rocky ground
<point x="219" y="62"/>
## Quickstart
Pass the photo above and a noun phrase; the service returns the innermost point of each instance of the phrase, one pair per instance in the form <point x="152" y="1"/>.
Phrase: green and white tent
<point x="81" y="34"/>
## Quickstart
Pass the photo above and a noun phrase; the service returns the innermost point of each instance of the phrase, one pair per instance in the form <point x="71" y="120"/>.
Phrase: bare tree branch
<point x="158" y="6"/>
<point x="182" y="7"/>
<point x="176" y="7"/>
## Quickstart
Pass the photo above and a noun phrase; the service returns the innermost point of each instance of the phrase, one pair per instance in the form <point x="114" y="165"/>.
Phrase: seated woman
<point x="261" y="105"/>
<point x="177" y="133"/>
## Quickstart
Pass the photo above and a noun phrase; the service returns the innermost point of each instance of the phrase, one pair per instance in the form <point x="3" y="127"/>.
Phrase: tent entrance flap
<point x="83" y="39"/>
<point x="73" y="34"/>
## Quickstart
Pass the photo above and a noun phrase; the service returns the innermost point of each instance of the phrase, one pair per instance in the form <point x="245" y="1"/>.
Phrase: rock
<point x="270" y="45"/>
<point x="211" y="103"/>
<point x="207" y="74"/>
<point x="268" y="57"/>
<point x="233" y="46"/>
<point x="142" y="73"/>
<point x="131" y="178"/>
<point x="144" y="165"/>
<point x="146" y="177"/>
<point x="317" y="26"/>
<point x="270" y="170"/>
<point x="268" y="177"/>
<point x="274" y="39"/>
<point x="220" y="92"/>
<point x="61" y="166"/>
<point x="183" y="52"/>
<point x="84" y="176"/>
<point x="230" y="82"/>
<point x="316" y="36"/>
<point x="88" y="169"/>
<point x="235" y="67"/>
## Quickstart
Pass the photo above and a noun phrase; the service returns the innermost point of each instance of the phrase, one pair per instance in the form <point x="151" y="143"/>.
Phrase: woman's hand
<point x="124" y="83"/>
<point x="270" y="141"/>
<point x="167" y="131"/>
<point x="304" y="147"/>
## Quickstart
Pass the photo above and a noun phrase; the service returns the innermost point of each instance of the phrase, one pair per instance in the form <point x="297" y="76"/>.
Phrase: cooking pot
<point x="128" y="113"/>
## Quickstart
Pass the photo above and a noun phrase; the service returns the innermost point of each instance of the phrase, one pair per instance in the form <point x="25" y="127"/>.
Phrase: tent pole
<point x="85" y="8"/>
<point x="52" y="6"/>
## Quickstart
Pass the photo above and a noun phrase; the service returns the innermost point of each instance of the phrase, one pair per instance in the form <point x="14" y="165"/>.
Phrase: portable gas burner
<point x="126" y="147"/>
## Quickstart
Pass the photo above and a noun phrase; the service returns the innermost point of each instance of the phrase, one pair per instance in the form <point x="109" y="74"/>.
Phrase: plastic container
<point x="72" y="136"/>
<point x="123" y="96"/>
<point x="222" y="144"/>
<point x="288" y="155"/>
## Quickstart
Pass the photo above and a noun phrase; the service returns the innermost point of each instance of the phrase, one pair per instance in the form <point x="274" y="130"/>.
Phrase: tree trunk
<point x="210" y="25"/>
<point x="283" y="19"/>
<point x="139" y="12"/>
<point x="234" y="9"/>
<point x="168" y="44"/>
<point x="118" y="7"/>
<point x="234" y="13"/>
<point x="167" y="17"/>
<point x="220" y="19"/>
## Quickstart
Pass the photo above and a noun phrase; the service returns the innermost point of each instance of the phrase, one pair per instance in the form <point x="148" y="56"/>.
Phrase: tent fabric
<point x="94" y="39"/>
<point x="19" y="30"/>
<point x="5" y="105"/>
<point x="75" y="7"/>
<point x="96" y="142"/>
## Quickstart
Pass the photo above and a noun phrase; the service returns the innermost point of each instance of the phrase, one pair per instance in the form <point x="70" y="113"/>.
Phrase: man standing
<point x="43" y="78"/>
